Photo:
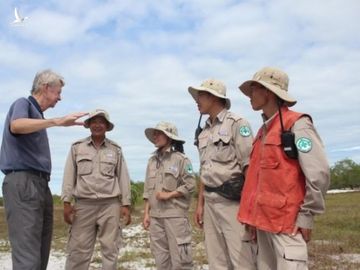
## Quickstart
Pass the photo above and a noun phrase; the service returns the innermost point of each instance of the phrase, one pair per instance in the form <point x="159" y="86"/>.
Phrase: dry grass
<point x="335" y="244"/>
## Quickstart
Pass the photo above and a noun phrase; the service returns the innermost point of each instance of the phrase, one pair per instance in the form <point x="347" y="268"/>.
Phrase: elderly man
<point x="26" y="162"/>
<point x="224" y="147"/>
<point x="287" y="177"/>
<point x="96" y="176"/>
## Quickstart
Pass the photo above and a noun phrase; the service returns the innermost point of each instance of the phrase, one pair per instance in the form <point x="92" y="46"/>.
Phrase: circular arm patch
<point x="245" y="131"/>
<point x="304" y="144"/>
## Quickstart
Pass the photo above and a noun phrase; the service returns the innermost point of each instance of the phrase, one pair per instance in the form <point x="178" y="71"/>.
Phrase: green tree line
<point x="344" y="174"/>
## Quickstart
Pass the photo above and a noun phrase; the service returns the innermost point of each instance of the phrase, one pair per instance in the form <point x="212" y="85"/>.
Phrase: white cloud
<point x="137" y="58"/>
<point x="17" y="57"/>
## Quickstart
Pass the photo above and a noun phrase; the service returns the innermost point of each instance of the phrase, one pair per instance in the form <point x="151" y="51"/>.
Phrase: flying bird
<point x="18" y="19"/>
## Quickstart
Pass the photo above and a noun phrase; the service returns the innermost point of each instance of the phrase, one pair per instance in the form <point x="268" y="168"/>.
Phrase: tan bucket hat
<point x="212" y="86"/>
<point x="99" y="112"/>
<point x="274" y="80"/>
<point x="169" y="129"/>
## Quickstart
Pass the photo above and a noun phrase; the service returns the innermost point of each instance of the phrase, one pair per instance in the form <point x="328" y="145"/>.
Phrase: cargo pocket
<point x="296" y="253"/>
<point x="202" y="146"/>
<point x="185" y="253"/>
<point x="84" y="164"/>
<point x="150" y="184"/>
<point x="107" y="167"/>
<point x="224" y="152"/>
<point x="149" y="192"/>
<point x="183" y="239"/>
<point x="272" y="207"/>
<point x="170" y="179"/>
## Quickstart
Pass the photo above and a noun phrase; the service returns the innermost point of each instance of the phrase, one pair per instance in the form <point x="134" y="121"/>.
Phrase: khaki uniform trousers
<point x="227" y="243"/>
<point x="170" y="243"/>
<point x="93" y="218"/>
<point x="281" y="251"/>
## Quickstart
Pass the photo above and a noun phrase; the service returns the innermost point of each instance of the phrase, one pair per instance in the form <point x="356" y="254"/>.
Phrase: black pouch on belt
<point x="230" y="189"/>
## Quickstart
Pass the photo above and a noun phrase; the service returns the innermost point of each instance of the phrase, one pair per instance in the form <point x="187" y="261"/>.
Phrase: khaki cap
<point x="169" y="129"/>
<point x="99" y="112"/>
<point x="274" y="80"/>
<point x="212" y="86"/>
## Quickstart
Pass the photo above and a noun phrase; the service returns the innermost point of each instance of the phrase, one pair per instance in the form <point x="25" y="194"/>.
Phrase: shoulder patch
<point x="189" y="168"/>
<point x="304" y="144"/>
<point x="245" y="131"/>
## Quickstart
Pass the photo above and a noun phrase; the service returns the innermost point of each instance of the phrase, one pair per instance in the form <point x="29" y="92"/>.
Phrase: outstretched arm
<point x="28" y="125"/>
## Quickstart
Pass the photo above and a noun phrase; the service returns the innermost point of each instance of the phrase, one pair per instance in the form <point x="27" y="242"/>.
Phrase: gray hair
<point x="46" y="76"/>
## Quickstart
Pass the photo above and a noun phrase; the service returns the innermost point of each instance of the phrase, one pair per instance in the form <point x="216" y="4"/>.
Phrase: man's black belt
<point x="43" y="175"/>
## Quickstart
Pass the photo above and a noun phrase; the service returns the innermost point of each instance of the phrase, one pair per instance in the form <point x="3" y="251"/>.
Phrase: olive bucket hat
<point x="275" y="80"/>
<point x="169" y="129"/>
<point x="99" y="112"/>
<point x="212" y="86"/>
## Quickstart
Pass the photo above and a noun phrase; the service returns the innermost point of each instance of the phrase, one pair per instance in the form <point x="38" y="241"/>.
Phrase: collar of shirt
<point x="90" y="141"/>
<point x="267" y="121"/>
<point x="220" y="117"/>
<point x="36" y="104"/>
<point x="159" y="155"/>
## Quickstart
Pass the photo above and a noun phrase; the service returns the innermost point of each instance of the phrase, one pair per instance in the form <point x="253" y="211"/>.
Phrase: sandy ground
<point x="135" y="240"/>
<point x="57" y="259"/>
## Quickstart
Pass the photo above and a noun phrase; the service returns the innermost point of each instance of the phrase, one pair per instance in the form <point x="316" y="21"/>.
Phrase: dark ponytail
<point x="178" y="146"/>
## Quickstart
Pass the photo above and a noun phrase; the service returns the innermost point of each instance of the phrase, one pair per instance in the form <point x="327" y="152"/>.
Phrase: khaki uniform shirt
<point x="224" y="148"/>
<point x="315" y="167"/>
<point x="92" y="173"/>
<point x="171" y="171"/>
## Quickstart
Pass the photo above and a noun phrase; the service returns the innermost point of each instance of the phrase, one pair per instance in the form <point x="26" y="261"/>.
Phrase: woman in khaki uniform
<point x="169" y="183"/>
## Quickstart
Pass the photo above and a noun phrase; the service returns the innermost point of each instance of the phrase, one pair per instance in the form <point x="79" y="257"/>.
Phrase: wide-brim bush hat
<point x="99" y="112"/>
<point x="212" y="86"/>
<point x="275" y="80"/>
<point x="169" y="129"/>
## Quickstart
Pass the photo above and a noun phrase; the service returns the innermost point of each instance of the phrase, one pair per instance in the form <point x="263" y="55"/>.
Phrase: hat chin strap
<point x="280" y="102"/>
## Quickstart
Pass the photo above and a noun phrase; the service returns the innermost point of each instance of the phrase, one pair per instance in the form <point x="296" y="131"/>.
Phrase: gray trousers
<point x="29" y="213"/>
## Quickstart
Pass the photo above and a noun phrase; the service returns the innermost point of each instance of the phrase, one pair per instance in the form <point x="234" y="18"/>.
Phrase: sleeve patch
<point x="304" y="144"/>
<point x="245" y="131"/>
<point x="189" y="168"/>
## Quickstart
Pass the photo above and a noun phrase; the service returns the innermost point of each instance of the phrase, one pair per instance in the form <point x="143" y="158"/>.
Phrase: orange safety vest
<point x="275" y="184"/>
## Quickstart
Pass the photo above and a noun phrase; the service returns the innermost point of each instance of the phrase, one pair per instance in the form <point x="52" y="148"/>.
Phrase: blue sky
<point x="136" y="59"/>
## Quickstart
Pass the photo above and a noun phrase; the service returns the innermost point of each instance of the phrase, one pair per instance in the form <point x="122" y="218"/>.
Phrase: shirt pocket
<point x="223" y="150"/>
<point x="108" y="165"/>
<point x="171" y="179"/>
<point x="150" y="183"/>
<point x="272" y="143"/>
<point x="84" y="164"/>
<point x="202" y="146"/>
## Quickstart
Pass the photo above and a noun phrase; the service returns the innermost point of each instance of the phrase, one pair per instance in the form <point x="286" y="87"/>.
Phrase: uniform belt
<point x="43" y="175"/>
